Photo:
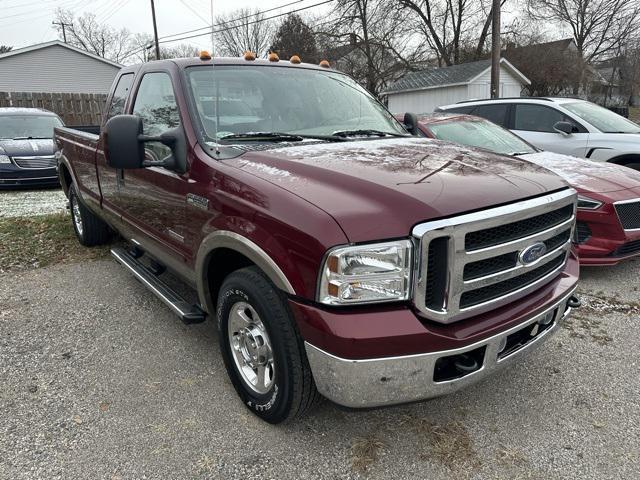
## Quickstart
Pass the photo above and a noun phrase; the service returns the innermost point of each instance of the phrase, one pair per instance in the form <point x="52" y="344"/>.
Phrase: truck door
<point x="152" y="200"/>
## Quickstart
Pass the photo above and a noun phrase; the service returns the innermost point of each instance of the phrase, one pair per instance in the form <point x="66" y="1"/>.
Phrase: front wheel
<point x="262" y="350"/>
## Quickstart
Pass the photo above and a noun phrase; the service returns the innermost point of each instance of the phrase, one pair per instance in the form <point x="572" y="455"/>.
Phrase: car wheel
<point x="262" y="350"/>
<point x="90" y="230"/>
<point x="635" y="166"/>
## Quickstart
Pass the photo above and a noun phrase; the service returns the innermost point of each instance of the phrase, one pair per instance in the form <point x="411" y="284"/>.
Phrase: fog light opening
<point x="454" y="367"/>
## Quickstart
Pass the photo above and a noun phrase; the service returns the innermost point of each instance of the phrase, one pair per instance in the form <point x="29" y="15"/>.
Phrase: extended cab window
<point x="120" y="95"/>
<point x="156" y="104"/>
<point x="495" y="113"/>
<point x="536" y="118"/>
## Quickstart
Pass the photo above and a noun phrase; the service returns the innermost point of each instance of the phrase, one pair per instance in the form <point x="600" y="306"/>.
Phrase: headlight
<point x="4" y="159"/>
<point x="378" y="272"/>
<point x="586" y="203"/>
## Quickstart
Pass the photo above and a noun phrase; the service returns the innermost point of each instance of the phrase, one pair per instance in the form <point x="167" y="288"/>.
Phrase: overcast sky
<point x="27" y="22"/>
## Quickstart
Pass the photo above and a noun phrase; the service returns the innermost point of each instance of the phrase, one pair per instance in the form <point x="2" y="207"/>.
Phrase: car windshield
<point x="235" y="100"/>
<point x="481" y="133"/>
<point x="604" y="120"/>
<point x="28" y="126"/>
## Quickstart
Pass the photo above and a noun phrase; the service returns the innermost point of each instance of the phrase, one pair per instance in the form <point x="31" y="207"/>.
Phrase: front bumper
<point x="12" y="176"/>
<point x="363" y="383"/>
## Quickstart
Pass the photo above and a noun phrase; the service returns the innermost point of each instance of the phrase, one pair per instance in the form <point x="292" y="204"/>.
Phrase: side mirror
<point x="410" y="121"/>
<point x="124" y="145"/>
<point x="563" y="128"/>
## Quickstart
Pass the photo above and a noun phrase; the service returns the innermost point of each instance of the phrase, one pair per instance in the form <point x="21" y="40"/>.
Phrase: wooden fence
<point x="73" y="108"/>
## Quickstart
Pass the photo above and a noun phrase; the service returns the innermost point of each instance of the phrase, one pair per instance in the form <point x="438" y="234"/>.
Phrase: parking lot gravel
<point x="26" y="203"/>
<point x="100" y="380"/>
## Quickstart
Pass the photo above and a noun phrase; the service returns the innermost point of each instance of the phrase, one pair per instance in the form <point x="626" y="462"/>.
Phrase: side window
<point x="536" y="118"/>
<point x="497" y="113"/>
<point x="120" y="95"/>
<point x="156" y="104"/>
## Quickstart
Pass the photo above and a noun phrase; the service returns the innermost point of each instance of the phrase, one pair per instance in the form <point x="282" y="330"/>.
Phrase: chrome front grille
<point x="472" y="263"/>
<point x="629" y="213"/>
<point x="35" y="162"/>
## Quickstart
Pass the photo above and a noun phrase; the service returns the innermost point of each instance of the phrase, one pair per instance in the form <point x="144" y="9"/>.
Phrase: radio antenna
<point x="215" y="131"/>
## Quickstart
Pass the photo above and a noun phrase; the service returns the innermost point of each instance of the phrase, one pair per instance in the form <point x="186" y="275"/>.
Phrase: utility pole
<point x="155" y="30"/>
<point x="64" y="32"/>
<point x="212" y="36"/>
<point x="495" y="50"/>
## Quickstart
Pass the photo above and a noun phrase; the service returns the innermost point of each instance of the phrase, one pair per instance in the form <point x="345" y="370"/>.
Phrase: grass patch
<point x="34" y="242"/>
<point x="364" y="453"/>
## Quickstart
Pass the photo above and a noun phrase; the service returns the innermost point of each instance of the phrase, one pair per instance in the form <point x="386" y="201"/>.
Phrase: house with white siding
<point x="55" y="67"/>
<point x="425" y="90"/>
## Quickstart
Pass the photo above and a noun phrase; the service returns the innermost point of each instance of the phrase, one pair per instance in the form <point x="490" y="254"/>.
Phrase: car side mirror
<point x="410" y="121"/>
<point x="563" y="128"/>
<point x="124" y="145"/>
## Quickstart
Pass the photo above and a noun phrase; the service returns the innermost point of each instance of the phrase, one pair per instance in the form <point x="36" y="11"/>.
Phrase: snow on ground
<point x="27" y="203"/>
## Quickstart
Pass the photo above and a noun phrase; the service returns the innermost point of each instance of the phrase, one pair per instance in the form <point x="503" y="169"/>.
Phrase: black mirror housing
<point x="410" y="121"/>
<point x="123" y="148"/>
<point x="565" y="128"/>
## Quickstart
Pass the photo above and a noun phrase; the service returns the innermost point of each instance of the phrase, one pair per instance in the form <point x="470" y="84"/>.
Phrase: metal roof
<point x="18" y="51"/>
<point x="461" y="74"/>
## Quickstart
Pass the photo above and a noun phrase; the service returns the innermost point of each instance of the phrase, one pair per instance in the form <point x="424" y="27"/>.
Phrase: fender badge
<point x="198" y="201"/>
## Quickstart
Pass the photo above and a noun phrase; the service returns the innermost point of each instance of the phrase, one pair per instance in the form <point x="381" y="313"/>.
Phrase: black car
<point x="27" y="148"/>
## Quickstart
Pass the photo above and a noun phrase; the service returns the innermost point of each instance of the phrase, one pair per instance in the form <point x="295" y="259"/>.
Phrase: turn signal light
<point x="295" y="59"/>
<point x="273" y="57"/>
<point x="204" y="55"/>
<point x="325" y="64"/>
<point x="249" y="55"/>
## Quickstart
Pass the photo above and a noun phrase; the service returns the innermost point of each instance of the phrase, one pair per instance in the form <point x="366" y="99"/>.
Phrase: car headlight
<point x="379" y="272"/>
<point x="4" y="159"/>
<point x="586" y="203"/>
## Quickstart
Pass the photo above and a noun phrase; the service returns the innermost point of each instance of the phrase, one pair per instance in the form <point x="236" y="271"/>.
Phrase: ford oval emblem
<point x="532" y="253"/>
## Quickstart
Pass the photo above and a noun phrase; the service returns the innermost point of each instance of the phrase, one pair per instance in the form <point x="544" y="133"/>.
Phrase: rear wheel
<point x="635" y="166"/>
<point x="262" y="350"/>
<point x="90" y="230"/>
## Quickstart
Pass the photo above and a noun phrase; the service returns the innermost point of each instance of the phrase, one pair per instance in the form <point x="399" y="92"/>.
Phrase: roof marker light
<point x="204" y="55"/>
<point x="324" y="64"/>
<point x="295" y="59"/>
<point x="273" y="57"/>
<point x="248" y="55"/>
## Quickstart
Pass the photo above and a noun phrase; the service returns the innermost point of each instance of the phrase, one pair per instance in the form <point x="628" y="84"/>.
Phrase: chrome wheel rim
<point x="251" y="348"/>
<point x="75" y="214"/>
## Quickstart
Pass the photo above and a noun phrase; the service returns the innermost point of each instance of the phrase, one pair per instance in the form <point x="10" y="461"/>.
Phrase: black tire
<point x="293" y="391"/>
<point x="635" y="166"/>
<point x="90" y="230"/>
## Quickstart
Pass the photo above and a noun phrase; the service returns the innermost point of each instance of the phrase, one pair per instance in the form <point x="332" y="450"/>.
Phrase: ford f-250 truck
<point x="337" y="253"/>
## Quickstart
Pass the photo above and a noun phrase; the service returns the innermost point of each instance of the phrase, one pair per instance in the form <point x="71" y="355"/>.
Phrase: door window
<point x="497" y="113"/>
<point x="536" y="118"/>
<point x="156" y="104"/>
<point x="120" y="95"/>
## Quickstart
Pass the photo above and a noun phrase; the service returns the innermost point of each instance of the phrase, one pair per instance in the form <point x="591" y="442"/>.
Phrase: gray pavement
<point x="99" y="380"/>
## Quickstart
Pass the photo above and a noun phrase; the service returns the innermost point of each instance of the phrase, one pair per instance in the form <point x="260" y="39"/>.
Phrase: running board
<point x="187" y="312"/>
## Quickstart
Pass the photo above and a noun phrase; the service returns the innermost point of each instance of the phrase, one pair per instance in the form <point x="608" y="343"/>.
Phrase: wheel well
<point x="221" y="262"/>
<point x="625" y="159"/>
<point x="66" y="179"/>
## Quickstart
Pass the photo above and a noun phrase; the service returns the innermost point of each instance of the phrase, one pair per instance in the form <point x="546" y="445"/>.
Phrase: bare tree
<point x="456" y="30"/>
<point x="599" y="27"/>
<point x="86" y="33"/>
<point x="5" y="48"/>
<point x="366" y="39"/>
<point x="142" y="46"/>
<point x="243" y="30"/>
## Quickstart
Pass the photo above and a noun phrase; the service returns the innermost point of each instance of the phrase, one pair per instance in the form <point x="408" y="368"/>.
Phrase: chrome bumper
<point x="393" y="380"/>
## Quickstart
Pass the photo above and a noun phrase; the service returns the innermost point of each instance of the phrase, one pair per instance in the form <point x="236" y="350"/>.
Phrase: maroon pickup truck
<point x="338" y="254"/>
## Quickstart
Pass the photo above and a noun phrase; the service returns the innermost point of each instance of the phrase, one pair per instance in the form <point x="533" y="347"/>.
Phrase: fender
<point x="244" y="246"/>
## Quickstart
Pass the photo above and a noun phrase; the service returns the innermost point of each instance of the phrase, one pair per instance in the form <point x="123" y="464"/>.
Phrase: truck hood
<point x="586" y="175"/>
<point x="27" y="148"/>
<point x="377" y="189"/>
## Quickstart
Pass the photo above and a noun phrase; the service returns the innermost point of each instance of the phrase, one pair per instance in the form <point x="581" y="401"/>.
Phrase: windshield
<point x="604" y="120"/>
<point x="28" y="126"/>
<point x="232" y="100"/>
<point x="483" y="134"/>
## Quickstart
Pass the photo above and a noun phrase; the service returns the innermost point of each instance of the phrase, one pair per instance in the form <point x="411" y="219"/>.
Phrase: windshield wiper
<point x="365" y="133"/>
<point x="270" y="136"/>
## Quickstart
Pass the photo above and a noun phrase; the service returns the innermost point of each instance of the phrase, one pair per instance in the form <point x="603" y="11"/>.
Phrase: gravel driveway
<point x="100" y="380"/>
<point x="26" y="203"/>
